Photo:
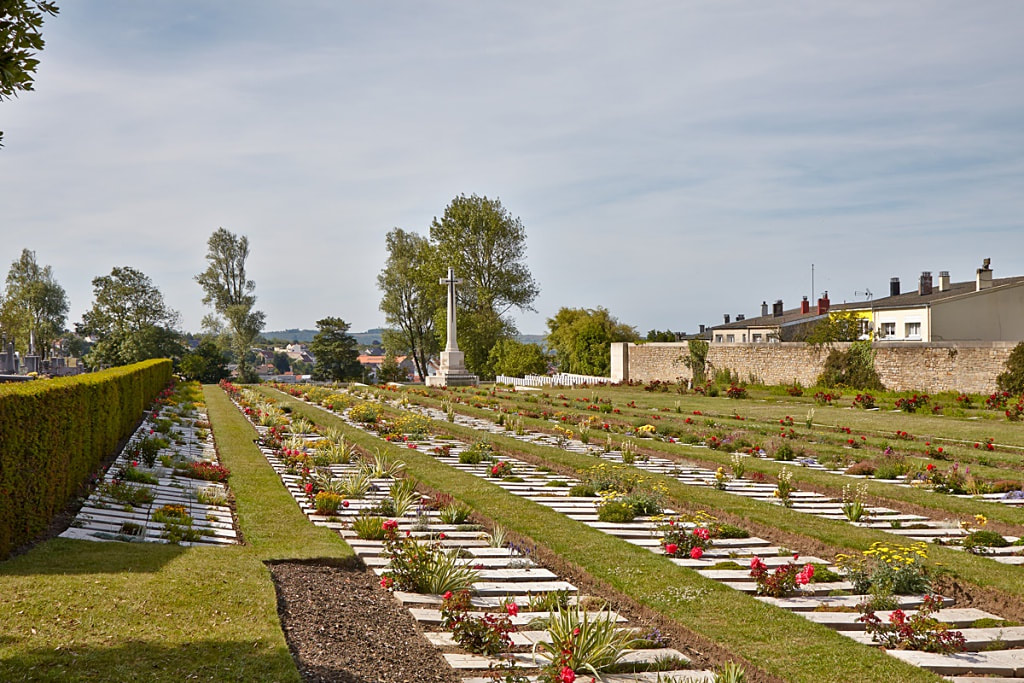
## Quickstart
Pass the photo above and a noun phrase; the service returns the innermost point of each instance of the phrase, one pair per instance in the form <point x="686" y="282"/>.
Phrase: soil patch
<point x="342" y="627"/>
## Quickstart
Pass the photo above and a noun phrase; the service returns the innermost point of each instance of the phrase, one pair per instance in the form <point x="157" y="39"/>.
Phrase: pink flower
<point x="389" y="524"/>
<point x="671" y="548"/>
<point x="512" y="608"/>
<point x="567" y="675"/>
<point x="702" y="533"/>
<point x="696" y="552"/>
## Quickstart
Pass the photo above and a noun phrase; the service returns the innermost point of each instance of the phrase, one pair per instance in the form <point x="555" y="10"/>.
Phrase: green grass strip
<point x="778" y="641"/>
<point x="84" y="611"/>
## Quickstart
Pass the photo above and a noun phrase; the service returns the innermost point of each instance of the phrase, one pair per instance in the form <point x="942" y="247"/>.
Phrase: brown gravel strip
<point x="342" y="627"/>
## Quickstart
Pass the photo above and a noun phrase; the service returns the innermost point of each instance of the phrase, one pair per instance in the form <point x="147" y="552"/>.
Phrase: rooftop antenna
<point x="867" y="294"/>
<point x="812" y="280"/>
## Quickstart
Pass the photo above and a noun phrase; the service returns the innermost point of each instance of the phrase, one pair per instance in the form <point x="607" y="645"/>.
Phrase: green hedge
<point x="54" y="434"/>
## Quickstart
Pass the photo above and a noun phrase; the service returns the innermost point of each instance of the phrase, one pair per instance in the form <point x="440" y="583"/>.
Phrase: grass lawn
<point x="84" y="611"/>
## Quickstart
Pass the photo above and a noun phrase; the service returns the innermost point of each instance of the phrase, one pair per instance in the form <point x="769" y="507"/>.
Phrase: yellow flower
<point x="982" y="520"/>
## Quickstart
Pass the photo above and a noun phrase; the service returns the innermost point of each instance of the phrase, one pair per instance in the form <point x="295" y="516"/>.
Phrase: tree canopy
<point x="21" y="23"/>
<point x="581" y="339"/>
<point x="513" y="358"/>
<point x="230" y="292"/>
<point x="335" y="350"/>
<point x="33" y="303"/>
<point x="205" y="364"/>
<point x="838" y="326"/>
<point x="129" y="321"/>
<point x="412" y="295"/>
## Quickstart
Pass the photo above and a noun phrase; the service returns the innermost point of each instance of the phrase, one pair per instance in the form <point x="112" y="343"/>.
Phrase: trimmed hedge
<point x="54" y="434"/>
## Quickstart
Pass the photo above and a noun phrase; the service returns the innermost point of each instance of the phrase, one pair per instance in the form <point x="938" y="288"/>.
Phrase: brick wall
<point x="934" y="367"/>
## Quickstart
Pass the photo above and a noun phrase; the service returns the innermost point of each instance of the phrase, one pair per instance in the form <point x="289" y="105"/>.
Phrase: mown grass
<point x="83" y="611"/>
<point x="780" y="642"/>
<point x="834" y="483"/>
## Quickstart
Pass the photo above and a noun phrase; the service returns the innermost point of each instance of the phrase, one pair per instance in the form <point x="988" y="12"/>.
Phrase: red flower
<point x="796" y="556"/>
<point x="441" y="536"/>
<point x="702" y="533"/>
<point x="930" y="467"/>
<point x="389" y="524"/>
<point x="512" y="608"/>
<point x="447" y="595"/>
<point x="696" y="552"/>
<point x="135" y="463"/>
<point x="344" y="503"/>
<point x="567" y="675"/>
<point x="387" y="582"/>
<point x="671" y="548"/>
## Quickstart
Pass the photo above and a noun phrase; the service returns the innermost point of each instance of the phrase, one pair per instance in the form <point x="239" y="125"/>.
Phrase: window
<point x="887" y="330"/>
<point x="864" y="326"/>
<point x="730" y="337"/>
<point x="913" y="330"/>
<point x="756" y="337"/>
<point x="718" y="338"/>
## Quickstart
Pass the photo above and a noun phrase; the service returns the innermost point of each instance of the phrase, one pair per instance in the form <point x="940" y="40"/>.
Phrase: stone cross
<point x="451" y="281"/>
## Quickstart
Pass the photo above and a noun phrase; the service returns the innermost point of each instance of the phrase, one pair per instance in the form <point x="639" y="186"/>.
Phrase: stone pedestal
<point x="453" y="372"/>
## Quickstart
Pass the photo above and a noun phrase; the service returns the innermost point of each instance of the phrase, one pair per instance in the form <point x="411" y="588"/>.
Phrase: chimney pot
<point x="777" y="309"/>
<point x="943" y="280"/>
<point x="740" y="316"/>
<point x="823" y="304"/>
<point x="894" y="286"/>
<point x="764" y="308"/>
<point x="726" y="316"/>
<point x="805" y="306"/>
<point x="702" y="329"/>
<point x="984" y="278"/>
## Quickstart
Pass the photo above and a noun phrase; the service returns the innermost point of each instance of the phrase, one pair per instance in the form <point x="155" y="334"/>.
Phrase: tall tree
<point x="34" y="303"/>
<point x="582" y="338"/>
<point x="486" y="246"/>
<point x="21" y="23"/>
<point x="129" y="320"/>
<point x="205" y="364"/>
<point x="230" y="292"/>
<point x="513" y="358"/>
<point x="335" y="350"/>
<point x="412" y="294"/>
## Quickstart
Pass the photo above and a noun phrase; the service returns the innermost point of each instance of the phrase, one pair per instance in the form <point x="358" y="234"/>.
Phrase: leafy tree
<point x="582" y="339"/>
<point x="337" y="356"/>
<point x="696" y="360"/>
<point x="282" y="362"/>
<point x="486" y="246"/>
<point x="230" y="292"/>
<point x="205" y="364"/>
<point x="854" y="367"/>
<point x="1012" y="379"/>
<point x="657" y="336"/>
<point x="129" y="320"/>
<point x="390" y="370"/>
<point x="412" y="295"/>
<point x="513" y="358"/>
<point x="33" y="303"/>
<point x="839" y="326"/>
<point x="21" y="23"/>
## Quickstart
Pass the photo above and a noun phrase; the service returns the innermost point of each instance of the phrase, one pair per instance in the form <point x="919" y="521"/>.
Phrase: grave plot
<point x="513" y="615"/>
<point x="968" y="534"/>
<point x="987" y="653"/>
<point x="166" y="485"/>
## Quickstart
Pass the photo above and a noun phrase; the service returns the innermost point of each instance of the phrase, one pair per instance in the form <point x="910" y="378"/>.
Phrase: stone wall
<point x="934" y="367"/>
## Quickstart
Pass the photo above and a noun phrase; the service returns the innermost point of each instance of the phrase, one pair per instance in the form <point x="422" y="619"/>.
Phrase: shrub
<point x="921" y="631"/>
<point x="861" y="468"/>
<point x="910" y="404"/>
<point x="854" y="367"/>
<point x="887" y="569"/>
<point x="1012" y="379"/>
<point x="785" y="580"/>
<point x="615" y="511"/>
<point x="423" y="567"/>
<point x="125" y="493"/>
<point x="207" y="471"/>
<point x="736" y="391"/>
<point x="64" y="428"/>
<point x="365" y="411"/>
<point x="487" y="634"/>
<point x="328" y="503"/>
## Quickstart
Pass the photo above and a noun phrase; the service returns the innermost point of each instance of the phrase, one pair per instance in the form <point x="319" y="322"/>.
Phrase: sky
<point x="670" y="161"/>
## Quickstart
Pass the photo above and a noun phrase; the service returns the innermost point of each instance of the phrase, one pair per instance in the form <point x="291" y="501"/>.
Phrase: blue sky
<point x="671" y="161"/>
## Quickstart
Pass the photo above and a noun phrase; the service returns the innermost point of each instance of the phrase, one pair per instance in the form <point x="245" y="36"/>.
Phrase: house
<point x="372" y="364"/>
<point x="777" y="325"/>
<point x="982" y="309"/>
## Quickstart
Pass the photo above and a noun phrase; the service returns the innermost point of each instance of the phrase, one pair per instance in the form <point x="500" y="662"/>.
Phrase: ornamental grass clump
<point x="125" y="493"/>
<point x="423" y="567"/>
<point x="581" y="642"/>
<point x="368" y="527"/>
<point x="854" y="502"/>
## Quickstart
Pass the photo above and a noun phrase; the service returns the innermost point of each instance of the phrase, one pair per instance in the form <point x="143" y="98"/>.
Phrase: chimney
<point x="805" y="306"/>
<point x="823" y="304"/>
<point x="894" y="286"/>
<point x="764" y="308"/>
<point x="943" y="280"/>
<point x="702" y="329"/>
<point x="984" y="279"/>
<point x="740" y="316"/>
<point x="925" y="286"/>
<point x="726" y="316"/>
<point x="777" y="309"/>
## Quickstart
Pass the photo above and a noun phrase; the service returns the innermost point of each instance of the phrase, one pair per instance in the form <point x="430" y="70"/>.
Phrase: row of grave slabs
<point x="992" y="652"/>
